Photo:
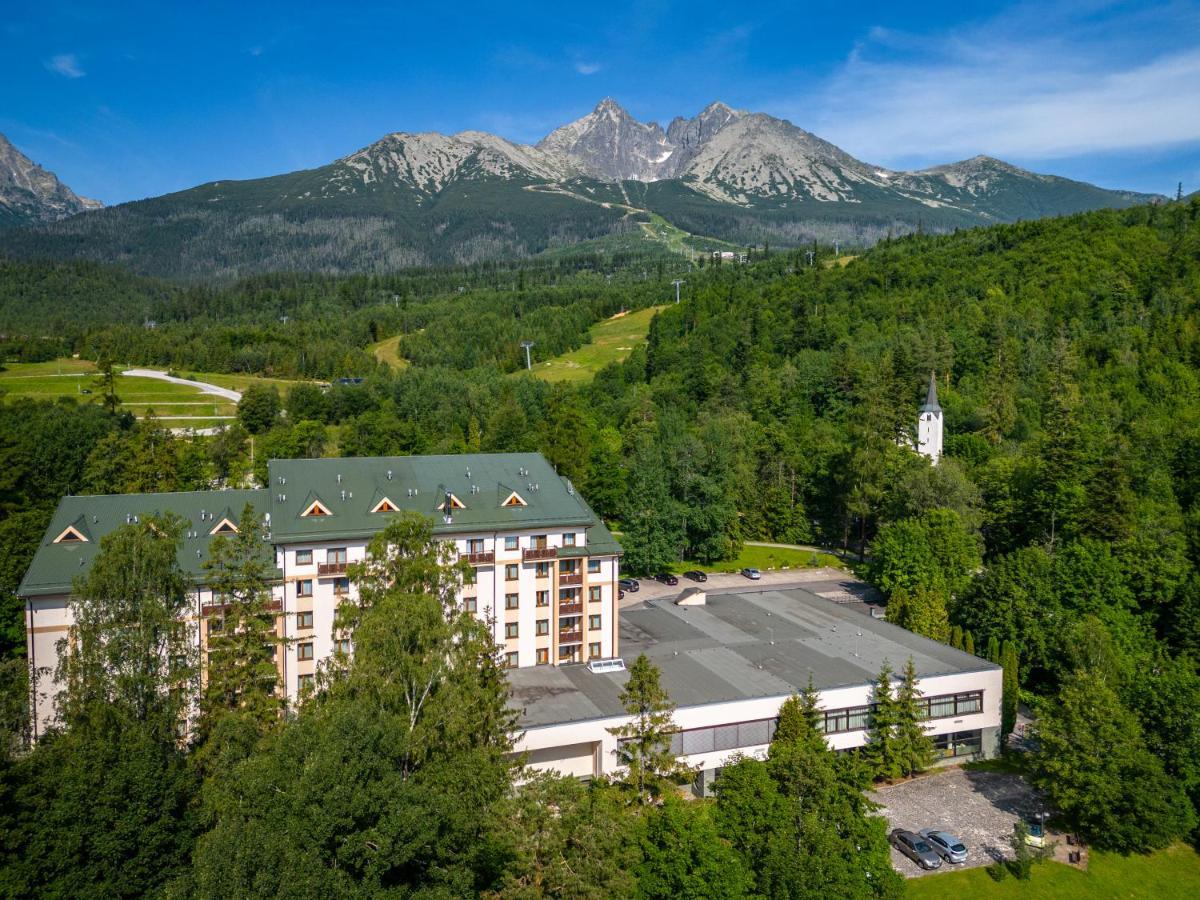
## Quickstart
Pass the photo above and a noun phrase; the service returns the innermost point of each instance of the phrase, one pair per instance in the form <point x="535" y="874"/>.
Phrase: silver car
<point x="752" y="573"/>
<point x="946" y="845"/>
<point x="915" y="848"/>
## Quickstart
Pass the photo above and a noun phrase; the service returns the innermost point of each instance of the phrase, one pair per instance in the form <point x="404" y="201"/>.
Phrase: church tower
<point x="929" y="425"/>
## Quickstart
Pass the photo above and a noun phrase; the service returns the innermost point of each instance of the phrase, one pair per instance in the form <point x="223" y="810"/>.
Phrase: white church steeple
<point x="929" y="424"/>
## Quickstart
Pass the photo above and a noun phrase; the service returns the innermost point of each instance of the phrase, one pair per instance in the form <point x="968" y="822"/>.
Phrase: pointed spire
<point x="931" y="400"/>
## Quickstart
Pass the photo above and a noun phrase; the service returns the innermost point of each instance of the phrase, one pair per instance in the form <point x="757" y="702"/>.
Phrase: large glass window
<point x="958" y="743"/>
<point x="511" y="542"/>
<point x="304" y="557"/>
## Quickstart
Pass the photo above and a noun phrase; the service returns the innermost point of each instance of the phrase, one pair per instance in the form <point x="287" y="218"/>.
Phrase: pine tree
<point x="969" y="643"/>
<point x="882" y="751"/>
<point x="243" y="640"/>
<point x="993" y="649"/>
<point x="644" y="747"/>
<point x="1012" y="690"/>
<point x="107" y="383"/>
<point x="914" y="745"/>
<point x="800" y="717"/>
<point x="956" y="637"/>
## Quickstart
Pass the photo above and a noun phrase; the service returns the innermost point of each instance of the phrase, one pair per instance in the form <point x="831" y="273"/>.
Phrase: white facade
<point x="929" y="435"/>
<point x="314" y="582"/>
<point x="588" y="748"/>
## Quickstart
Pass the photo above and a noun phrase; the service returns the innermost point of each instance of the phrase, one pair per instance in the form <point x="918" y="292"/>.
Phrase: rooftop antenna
<point x="447" y="511"/>
<point x="525" y="345"/>
<point x="677" y="282"/>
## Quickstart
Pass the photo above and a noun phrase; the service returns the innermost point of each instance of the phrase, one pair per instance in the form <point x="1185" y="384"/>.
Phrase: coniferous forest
<point x="1059" y="536"/>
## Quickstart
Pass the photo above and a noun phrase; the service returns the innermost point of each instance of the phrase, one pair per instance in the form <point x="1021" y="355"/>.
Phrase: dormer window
<point x="225" y="526"/>
<point x="455" y="503"/>
<point x="514" y="499"/>
<point x="385" y="506"/>
<point x="71" y="535"/>
<point x="316" y="508"/>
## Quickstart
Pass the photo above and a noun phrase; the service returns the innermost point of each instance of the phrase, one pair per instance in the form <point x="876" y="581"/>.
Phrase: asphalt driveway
<point x="979" y="807"/>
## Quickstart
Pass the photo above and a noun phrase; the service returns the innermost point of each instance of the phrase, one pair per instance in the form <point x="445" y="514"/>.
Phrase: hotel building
<point x="545" y="568"/>
<point x="545" y="577"/>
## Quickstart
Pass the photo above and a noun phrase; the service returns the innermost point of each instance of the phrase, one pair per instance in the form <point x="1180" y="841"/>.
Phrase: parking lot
<point x="833" y="584"/>
<point x="978" y="807"/>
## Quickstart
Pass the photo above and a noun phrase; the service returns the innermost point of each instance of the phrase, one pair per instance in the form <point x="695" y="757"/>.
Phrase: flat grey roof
<point x="736" y="647"/>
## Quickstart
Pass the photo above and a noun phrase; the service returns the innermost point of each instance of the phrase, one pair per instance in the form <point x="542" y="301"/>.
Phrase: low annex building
<point x="729" y="664"/>
<point x="545" y="567"/>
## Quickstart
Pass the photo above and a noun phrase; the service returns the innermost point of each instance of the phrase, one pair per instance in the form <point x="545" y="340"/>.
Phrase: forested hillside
<point x="777" y="402"/>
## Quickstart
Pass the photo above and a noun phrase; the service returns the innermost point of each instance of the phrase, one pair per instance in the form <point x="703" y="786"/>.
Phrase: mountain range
<point x="722" y="176"/>
<point x="28" y="193"/>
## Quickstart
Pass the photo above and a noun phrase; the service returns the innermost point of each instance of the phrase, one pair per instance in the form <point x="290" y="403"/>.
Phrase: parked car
<point x="946" y="845"/>
<point x="666" y="578"/>
<point x="695" y="575"/>
<point x="915" y="848"/>
<point x="1037" y="834"/>
<point x="752" y="573"/>
<point x="629" y="584"/>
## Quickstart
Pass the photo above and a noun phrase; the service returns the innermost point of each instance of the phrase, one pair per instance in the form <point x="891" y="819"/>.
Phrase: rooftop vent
<point x="339" y="477"/>
<point x="604" y="666"/>
<point x="389" y="474"/>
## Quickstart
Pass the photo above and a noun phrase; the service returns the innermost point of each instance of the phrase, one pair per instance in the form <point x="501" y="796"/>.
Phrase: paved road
<point x="203" y="386"/>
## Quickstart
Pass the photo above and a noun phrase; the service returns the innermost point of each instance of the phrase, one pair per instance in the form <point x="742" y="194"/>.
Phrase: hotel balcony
<point x="571" y="609"/>
<point x="570" y="578"/>
<point x="536" y="554"/>
<point x="483" y="558"/>
<point x="570" y="637"/>
<point x="331" y="568"/>
<point x="212" y="609"/>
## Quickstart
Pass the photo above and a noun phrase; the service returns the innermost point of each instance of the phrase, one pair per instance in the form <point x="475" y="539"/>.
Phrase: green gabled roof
<point x="55" y="566"/>
<point x="350" y="488"/>
<point x="480" y="481"/>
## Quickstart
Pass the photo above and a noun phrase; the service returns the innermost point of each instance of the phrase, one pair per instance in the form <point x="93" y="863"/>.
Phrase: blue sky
<point x="127" y="100"/>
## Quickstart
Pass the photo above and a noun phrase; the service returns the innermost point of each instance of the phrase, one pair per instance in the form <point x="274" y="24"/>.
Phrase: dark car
<point x="915" y="848"/>
<point x="620" y="594"/>
<point x="946" y="845"/>
<point x="629" y="584"/>
<point x="695" y="575"/>
<point x="666" y="578"/>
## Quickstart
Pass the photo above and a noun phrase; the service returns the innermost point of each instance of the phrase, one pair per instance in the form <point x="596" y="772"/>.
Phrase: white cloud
<point x="587" y="68"/>
<point x="1007" y="91"/>
<point x="65" y="64"/>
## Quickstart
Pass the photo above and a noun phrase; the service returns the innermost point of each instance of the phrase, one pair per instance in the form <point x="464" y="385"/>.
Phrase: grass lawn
<point x="766" y="558"/>
<point x="178" y="405"/>
<point x="237" y="382"/>
<point x="1167" y="874"/>
<point x="611" y="341"/>
<point x="387" y="351"/>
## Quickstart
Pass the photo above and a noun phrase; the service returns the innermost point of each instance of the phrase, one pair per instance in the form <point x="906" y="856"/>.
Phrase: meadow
<point x="610" y="341"/>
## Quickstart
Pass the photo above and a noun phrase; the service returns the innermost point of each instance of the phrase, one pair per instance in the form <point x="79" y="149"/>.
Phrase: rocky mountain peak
<point x="29" y="193"/>
<point x="609" y="143"/>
